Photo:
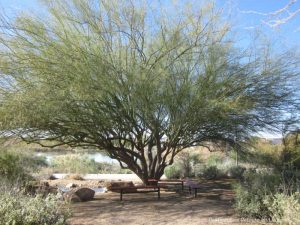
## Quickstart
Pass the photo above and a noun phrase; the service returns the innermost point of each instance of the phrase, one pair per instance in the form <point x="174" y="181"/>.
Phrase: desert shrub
<point x="13" y="168"/>
<point x="214" y="160"/>
<point x="112" y="167"/>
<point x="188" y="163"/>
<point x="285" y="209"/>
<point x="173" y="171"/>
<point x="74" y="163"/>
<point x="210" y="172"/>
<point x="252" y="192"/>
<point x="250" y="203"/>
<point x="18" y="209"/>
<point x="236" y="172"/>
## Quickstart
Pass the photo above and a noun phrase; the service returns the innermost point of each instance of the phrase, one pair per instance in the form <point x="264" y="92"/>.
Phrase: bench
<point x="166" y="182"/>
<point x="136" y="189"/>
<point x="192" y="186"/>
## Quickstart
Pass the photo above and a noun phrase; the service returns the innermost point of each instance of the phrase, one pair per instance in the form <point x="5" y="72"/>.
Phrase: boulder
<point x="79" y="194"/>
<point x="71" y="197"/>
<point x="52" y="177"/>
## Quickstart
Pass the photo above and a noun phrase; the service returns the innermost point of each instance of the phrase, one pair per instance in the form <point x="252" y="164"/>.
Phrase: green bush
<point x="188" y="163"/>
<point x="285" y="209"/>
<point x="173" y="172"/>
<point x="106" y="167"/>
<point x="252" y="192"/>
<point x="236" y="172"/>
<point x="74" y="163"/>
<point x="211" y="172"/>
<point x="214" y="160"/>
<point x="13" y="166"/>
<point x="17" y="209"/>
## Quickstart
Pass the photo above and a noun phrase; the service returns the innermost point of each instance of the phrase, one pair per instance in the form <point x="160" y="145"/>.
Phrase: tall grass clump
<point x="75" y="163"/>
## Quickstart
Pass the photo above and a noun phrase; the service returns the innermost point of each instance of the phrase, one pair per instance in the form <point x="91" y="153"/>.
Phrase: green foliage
<point x="214" y="160"/>
<point x="187" y="162"/>
<point x="105" y="77"/>
<point x="265" y="153"/>
<point x="253" y="191"/>
<point x="291" y="153"/>
<point x="236" y="172"/>
<point x="285" y="209"/>
<point x="187" y="165"/>
<point x="74" y="163"/>
<point x="210" y="172"/>
<point x="173" y="172"/>
<point x="16" y="165"/>
<point x="17" y="209"/>
<point x="250" y="203"/>
<point x="106" y="167"/>
<point x="10" y="167"/>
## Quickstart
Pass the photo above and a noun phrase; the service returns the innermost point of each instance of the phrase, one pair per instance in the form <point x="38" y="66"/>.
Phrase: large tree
<point x="136" y="80"/>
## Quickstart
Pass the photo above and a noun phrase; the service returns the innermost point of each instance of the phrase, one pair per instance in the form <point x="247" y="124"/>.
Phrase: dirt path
<point x="212" y="206"/>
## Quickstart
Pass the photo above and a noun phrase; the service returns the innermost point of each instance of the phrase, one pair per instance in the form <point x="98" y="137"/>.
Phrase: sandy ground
<point x="213" y="206"/>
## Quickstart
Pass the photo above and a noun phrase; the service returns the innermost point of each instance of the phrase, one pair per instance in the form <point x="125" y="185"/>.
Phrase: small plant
<point x="12" y="167"/>
<point x="214" y="160"/>
<point x="21" y="209"/>
<point x="285" y="209"/>
<point x="236" y="172"/>
<point x="252" y="192"/>
<point x="210" y="172"/>
<point x="173" y="172"/>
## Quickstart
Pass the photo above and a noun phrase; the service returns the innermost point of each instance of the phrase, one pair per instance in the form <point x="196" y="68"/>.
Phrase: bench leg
<point x="195" y="192"/>
<point x="182" y="185"/>
<point x="121" y="194"/>
<point x="158" y="193"/>
<point x="190" y="190"/>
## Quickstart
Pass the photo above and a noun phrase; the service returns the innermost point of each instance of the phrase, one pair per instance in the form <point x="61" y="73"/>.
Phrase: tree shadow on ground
<point x="214" y="200"/>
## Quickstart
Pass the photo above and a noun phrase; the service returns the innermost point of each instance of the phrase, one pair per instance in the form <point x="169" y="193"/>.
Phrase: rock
<point x="79" y="194"/>
<point x="71" y="185"/>
<point x="71" y="197"/>
<point x="114" y="185"/>
<point x="52" y="177"/>
<point x="85" y="194"/>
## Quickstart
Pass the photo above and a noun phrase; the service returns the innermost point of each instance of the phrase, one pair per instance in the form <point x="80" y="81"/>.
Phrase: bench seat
<point x="136" y="189"/>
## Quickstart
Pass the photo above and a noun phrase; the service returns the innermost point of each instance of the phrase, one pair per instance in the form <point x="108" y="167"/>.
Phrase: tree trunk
<point x="145" y="176"/>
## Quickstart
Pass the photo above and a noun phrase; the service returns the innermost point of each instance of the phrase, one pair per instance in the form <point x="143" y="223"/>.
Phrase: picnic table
<point x="192" y="186"/>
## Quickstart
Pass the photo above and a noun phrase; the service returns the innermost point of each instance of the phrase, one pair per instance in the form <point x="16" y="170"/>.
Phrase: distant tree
<point x="139" y="82"/>
<point x="291" y="152"/>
